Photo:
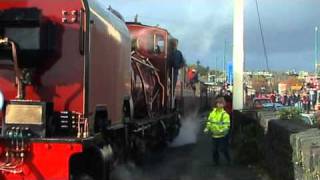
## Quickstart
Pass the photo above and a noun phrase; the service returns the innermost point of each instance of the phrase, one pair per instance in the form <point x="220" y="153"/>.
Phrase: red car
<point x="258" y="103"/>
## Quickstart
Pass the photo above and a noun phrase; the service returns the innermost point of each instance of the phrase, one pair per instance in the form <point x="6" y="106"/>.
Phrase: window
<point x="159" y="44"/>
<point x="155" y="43"/>
<point x="149" y="43"/>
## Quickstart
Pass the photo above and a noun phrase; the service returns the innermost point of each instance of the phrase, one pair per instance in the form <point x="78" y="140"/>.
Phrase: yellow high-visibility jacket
<point x="218" y="123"/>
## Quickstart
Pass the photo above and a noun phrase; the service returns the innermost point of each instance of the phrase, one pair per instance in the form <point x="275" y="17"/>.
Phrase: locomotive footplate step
<point x="140" y="122"/>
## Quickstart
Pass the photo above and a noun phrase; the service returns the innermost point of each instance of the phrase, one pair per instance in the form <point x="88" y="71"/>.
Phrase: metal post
<point x="238" y="54"/>
<point x="216" y="68"/>
<point x="316" y="52"/>
<point x="216" y="65"/>
<point x="224" y="61"/>
<point x="172" y="88"/>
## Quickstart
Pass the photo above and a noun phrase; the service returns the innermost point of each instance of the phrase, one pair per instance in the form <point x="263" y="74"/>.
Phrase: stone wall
<point x="289" y="150"/>
<point x="246" y="137"/>
<point x="278" y="149"/>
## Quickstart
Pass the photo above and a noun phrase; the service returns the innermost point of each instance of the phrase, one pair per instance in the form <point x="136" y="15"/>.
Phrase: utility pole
<point x="198" y="65"/>
<point x="136" y="18"/>
<point x="216" y="69"/>
<point x="316" y="55"/>
<point x="224" y="61"/>
<point x="238" y="54"/>
<point x="216" y="65"/>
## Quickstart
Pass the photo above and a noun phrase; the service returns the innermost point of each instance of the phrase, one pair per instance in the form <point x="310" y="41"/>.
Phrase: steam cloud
<point x="189" y="130"/>
<point x="127" y="171"/>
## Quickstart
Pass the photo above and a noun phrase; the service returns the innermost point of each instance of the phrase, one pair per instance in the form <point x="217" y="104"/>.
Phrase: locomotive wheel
<point x="175" y="128"/>
<point x="92" y="164"/>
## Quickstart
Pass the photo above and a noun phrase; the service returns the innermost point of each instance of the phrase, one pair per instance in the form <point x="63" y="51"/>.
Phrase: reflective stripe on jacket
<point x="218" y="123"/>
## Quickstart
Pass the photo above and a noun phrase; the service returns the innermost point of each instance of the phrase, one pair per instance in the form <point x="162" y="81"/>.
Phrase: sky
<point x="204" y="29"/>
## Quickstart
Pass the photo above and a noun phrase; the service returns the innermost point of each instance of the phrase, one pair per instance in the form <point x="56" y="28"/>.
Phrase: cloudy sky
<point x="203" y="27"/>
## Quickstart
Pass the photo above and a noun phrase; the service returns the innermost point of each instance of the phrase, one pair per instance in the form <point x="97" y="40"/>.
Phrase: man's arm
<point x="182" y="61"/>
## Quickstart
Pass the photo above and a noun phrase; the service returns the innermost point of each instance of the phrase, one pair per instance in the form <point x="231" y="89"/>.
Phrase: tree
<point x="259" y="83"/>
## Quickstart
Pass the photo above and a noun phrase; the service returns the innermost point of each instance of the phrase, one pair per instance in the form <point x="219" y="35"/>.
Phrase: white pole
<point x="238" y="54"/>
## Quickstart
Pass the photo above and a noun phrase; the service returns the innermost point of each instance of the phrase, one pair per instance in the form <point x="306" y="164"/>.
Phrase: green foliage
<point x="290" y="113"/>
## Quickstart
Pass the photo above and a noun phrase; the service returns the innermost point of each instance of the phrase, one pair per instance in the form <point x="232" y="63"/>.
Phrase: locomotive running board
<point x="141" y="122"/>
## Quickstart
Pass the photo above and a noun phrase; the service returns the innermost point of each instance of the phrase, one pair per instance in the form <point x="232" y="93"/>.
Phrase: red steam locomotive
<point x="77" y="98"/>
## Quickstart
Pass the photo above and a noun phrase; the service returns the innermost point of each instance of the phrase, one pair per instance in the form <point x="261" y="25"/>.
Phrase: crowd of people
<point x="304" y="100"/>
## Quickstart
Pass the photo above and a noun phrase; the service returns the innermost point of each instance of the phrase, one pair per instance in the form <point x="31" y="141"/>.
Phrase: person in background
<point x="273" y="97"/>
<point x="285" y="99"/>
<point x="308" y="102"/>
<point x="228" y="108"/>
<point x="290" y="100"/>
<point x="190" y="75"/>
<point x="314" y="99"/>
<point x="304" y="100"/>
<point x="295" y="99"/>
<point x="278" y="98"/>
<point x="298" y="101"/>
<point x="218" y="125"/>
<point x="192" y="78"/>
<point x="228" y="100"/>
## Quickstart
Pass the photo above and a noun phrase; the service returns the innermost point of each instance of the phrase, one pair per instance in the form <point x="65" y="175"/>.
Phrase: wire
<point x="262" y="37"/>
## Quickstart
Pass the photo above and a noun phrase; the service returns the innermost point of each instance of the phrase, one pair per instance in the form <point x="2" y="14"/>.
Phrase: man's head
<point x="174" y="43"/>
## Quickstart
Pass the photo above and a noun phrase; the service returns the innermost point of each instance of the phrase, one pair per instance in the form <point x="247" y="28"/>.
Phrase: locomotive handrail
<point x="141" y="62"/>
<point x="145" y="62"/>
<point x="19" y="77"/>
<point x="81" y="31"/>
<point x="6" y="41"/>
<point x="143" y="85"/>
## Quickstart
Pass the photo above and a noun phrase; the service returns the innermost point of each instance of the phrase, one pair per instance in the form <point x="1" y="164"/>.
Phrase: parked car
<point x="259" y="103"/>
<point x="308" y="119"/>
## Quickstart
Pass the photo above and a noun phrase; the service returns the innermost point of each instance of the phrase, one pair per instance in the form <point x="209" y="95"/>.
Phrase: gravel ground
<point x="188" y="159"/>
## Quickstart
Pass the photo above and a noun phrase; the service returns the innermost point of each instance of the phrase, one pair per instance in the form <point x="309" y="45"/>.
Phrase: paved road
<point x="186" y="162"/>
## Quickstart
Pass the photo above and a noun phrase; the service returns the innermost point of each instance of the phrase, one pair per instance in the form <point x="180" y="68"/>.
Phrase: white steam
<point x="127" y="171"/>
<point x="189" y="130"/>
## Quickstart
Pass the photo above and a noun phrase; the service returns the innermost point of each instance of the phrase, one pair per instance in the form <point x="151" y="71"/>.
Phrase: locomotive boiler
<point x="83" y="91"/>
